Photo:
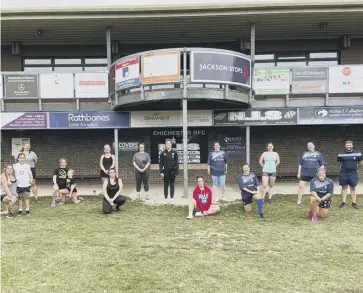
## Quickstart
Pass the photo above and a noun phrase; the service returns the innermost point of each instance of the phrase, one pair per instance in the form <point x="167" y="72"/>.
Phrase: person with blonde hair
<point x="31" y="159"/>
<point x="59" y="180"/>
<point x="24" y="178"/>
<point x="70" y="190"/>
<point x="8" y="190"/>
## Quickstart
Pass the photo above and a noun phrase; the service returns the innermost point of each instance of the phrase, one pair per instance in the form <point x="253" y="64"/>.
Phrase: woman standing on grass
<point x="8" y="189"/>
<point x="112" y="188"/>
<point x="31" y="159"/>
<point x="269" y="161"/>
<point x="107" y="161"/>
<point x="24" y="178"/>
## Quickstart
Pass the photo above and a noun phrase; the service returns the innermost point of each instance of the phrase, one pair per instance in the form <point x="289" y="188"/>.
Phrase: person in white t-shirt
<point x="24" y="177"/>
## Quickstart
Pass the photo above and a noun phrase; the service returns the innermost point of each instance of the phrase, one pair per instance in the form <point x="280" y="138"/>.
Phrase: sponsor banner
<point x="129" y="146"/>
<point x="17" y="144"/>
<point x="171" y="118"/>
<point x="331" y="115"/>
<point x="24" y="120"/>
<point x="127" y="73"/>
<point x="91" y="119"/>
<point x="272" y="81"/>
<point x="309" y="80"/>
<point x="234" y="146"/>
<point x="271" y="116"/>
<point x="91" y="85"/>
<point x="160" y="67"/>
<point x="21" y="86"/>
<point x="220" y="67"/>
<point x="346" y="79"/>
<point x="56" y="86"/>
<point x="197" y="144"/>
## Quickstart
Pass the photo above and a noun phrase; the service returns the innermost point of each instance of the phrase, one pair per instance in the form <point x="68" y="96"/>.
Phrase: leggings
<point x="169" y="178"/>
<point x="107" y="208"/>
<point x="142" y="178"/>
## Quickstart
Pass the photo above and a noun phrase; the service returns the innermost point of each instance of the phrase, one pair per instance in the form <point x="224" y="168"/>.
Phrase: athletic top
<point x="217" y="162"/>
<point x="11" y="186"/>
<point x="31" y="159"/>
<point x="107" y="162"/>
<point x="61" y="174"/>
<point x="349" y="161"/>
<point x="112" y="189"/>
<point x="141" y="159"/>
<point x="322" y="188"/>
<point x="249" y="181"/>
<point x="203" y="198"/>
<point x="168" y="161"/>
<point x="269" y="159"/>
<point x="22" y="174"/>
<point x="69" y="183"/>
<point x="310" y="162"/>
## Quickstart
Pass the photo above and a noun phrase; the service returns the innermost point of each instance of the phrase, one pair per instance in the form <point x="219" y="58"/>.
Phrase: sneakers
<point x="299" y="203"/>
<point x="355" y="206"/>
<point x="198" y="214"/>
<point x="20" y="213"/>
<point x="343" y="205"/>
<point x="52" y="204"/>
<point x="189" y="217"/>
<point x="27" y="213"/>
<point x="146" y="196"/>
<point x="10" y="215"/>
<point x="261" y="216"/>
<point x="314" y="219"/>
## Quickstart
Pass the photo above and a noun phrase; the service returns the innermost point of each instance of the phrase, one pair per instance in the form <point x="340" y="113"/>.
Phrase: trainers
<point x="343" y="205"/>
<point x="52" y="204"/>
<point x="20" y="213"/>
<point x="261" y="216"/>
<point x="27" y="213"/>
<point x="10" y="215"/>
<point x="146" y="196"/>
<point x="61" y="202"/>
<point x="299" y="203"/>
<point x="314" y="219"/>
<point x="198" y="214"/>
<point x="355" y="206"/>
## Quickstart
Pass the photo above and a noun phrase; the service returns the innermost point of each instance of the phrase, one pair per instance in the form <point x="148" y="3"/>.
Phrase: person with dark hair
<point x="249" y="186"/>
<point x="309" y="162"/>
<point x="217" y="168"/>
<point x="201" y="203"/>
<point x="321" y="190"/>
<point x="112" y="188"/>
<point x="141" y="162"/>
<point x="107" y="161"/>
<point x="350" y="160"/>
<point x="169" y="169"/>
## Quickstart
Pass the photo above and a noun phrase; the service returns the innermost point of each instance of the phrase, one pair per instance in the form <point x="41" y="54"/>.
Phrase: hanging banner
<point x="272" y="81"/>
<point x="91" y="85"/>
<point x="21" y="86"/>
<point x="160" y="67"/>
<point x="257" y="117"/>
<point x="331" y="115"/>
<point x="346" y="79"/>
<point x="220" y="67"/>
<point x="24" y="120"/>
<point x="309" y="80"/>
<point x="171" y="118"/>
<point x="127" y="73"/>
<point x="56" y="86"/>
<point x="234" y="146"/>
<point x="17" y="144"/>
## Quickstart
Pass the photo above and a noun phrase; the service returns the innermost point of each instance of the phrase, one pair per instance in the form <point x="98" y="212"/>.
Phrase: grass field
<point x="154" y="249"/>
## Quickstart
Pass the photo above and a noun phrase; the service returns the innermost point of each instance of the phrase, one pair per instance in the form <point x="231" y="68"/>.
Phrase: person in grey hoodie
<point x="31" y="159"/>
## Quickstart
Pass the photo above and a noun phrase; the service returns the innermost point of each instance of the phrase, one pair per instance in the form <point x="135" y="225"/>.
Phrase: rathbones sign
<point x="220" y="67"/>
<point x="96" y="119"/>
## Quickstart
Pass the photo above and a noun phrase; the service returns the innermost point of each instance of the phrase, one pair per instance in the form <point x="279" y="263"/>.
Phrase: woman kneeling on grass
<point x="112" y="188"/>
<point x="201" y="202"/>
<point x="321" y="190"/>
<point x="8" y="190"/>
<point x="70" y="190"/>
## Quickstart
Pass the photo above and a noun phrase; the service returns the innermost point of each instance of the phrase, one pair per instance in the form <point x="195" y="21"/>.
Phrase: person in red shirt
<point x="202" y="201"/>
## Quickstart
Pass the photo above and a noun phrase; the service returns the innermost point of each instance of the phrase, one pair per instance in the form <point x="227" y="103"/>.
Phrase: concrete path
<point x="156" y="194"/>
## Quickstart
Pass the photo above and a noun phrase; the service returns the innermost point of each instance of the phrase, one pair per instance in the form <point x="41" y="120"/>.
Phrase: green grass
<point x="154" y="249"/>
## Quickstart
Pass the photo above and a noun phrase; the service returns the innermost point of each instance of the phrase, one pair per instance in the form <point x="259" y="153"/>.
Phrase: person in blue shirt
<point x="350" y="160"/>
<point x="249" y="185"/>
<point x="309" y="162"/>
<point x="217" y="167"/>
<point x="321" y="190"/>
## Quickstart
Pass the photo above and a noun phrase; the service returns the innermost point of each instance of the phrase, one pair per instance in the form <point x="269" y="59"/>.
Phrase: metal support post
<point x="116" y="150"/>
<point x="253" y="52"/>
<point x="185" y="125"/>
<point x="108" y="46"/>
<point x="248" y="144"/>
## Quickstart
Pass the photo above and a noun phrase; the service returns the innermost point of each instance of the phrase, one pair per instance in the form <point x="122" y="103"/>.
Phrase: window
<point x="74" y="64"/>
<point x="297" y="59"/>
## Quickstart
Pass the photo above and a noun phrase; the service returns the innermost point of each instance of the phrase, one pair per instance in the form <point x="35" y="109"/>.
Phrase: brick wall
<point x="83" y="148"/>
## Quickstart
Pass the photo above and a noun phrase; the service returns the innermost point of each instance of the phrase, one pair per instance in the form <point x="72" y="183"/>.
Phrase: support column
<point x="185" y="125"/>
<point x="116" y="150"/>
<point x="108" y="46"/>
<point x="253" y="52"/>
<point x="248" y="144"/>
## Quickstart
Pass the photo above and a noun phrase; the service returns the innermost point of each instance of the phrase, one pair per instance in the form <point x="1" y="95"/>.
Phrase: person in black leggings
<point x="169" y="169"/>
<point x="141" y="162"/>
<point x="112" y="188"/>
<point x="107" y="161"/>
